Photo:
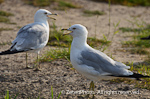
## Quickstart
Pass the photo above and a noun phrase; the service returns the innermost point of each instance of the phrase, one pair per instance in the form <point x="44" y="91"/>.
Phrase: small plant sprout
<point x="52" y="94"/>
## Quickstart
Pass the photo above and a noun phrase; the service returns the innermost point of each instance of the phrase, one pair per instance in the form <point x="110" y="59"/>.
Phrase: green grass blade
<point x="16" y="96"/>
<point x="52" y="92"/>
<point x="7" y="95"/>
<point x="105" y="37"/>
<point x="59" y="95"/>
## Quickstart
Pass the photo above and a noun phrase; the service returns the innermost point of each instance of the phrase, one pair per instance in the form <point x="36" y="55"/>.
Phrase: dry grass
<point x="1" y="1"/>
<point x="128" y="2"/>
<point x="57" y="4"/>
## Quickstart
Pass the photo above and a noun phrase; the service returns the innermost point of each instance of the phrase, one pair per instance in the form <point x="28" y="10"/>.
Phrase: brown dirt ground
<point x="30" y="84"/>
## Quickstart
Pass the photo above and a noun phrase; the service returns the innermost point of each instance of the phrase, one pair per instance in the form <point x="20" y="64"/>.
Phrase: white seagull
<point x="92" y="63"/>
<point x="32" y="37"/>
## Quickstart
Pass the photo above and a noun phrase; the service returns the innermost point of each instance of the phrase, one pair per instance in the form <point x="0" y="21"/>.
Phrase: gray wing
<point x="102" y="63"/>
<point x="29" y="37"/>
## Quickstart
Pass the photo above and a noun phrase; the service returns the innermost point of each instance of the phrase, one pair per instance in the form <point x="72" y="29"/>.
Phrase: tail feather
<point x="138" y="76"/>
<point x="146" y="38"/>
<point x="10" y="52"/>
<point x="135" y="75"/>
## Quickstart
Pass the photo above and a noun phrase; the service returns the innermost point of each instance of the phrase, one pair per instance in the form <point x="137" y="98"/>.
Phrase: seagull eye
<point x="45" y="13"/>
<point x="73" y="28"/>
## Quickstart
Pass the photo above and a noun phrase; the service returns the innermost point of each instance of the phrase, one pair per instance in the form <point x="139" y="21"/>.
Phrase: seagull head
<point x="43" y="15"/>
<point x="77" y="30"/>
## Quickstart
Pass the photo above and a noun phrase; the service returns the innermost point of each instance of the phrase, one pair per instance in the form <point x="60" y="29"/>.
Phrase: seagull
<point x="32" y="37"/>
<point x="92" y="63"/>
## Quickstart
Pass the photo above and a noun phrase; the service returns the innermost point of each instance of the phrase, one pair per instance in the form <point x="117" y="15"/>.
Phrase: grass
<point x="141" y="28"/>
<point x="5" y="43"/>
<point x="54" y="54"/>
<point x="4" y="13"/>
<point x="138" y="46"/>
<point x="129" y="29"/>
<point x="4" y="17"/>
<point x="5" y="29"/>
<point x="56" y="37"/>
<point x="66" y="4"/>
<point x="7" y="96"/>
<point x="91" y="13"/>
<point x="1" y="1"/>
<point x="128" y="2"/>
<point x="40" y="3"/>
<point x="53" y="94"/>
<point x="140" y="51"/>
<point x="137" y="43"/>
<point x="94" y="42"/>
<point x="57" y="4"/>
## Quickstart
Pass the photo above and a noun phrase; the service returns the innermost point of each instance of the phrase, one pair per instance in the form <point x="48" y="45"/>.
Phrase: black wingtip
<point x="9" y="52"/>
<point x="138" y="76"/>
<point x="146" y="38"/>
<point x="135" y="75"/>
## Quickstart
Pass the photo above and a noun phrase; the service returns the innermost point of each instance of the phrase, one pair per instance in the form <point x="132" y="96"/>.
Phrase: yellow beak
<point x="49" y="15"/>
<point x="66" y="30"/>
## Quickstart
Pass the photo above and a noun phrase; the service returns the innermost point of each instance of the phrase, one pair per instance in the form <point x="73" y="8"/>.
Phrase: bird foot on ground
<point x="88" y="96"/>
<point x="29" y="67"/>
<point x="37" y="69"/>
